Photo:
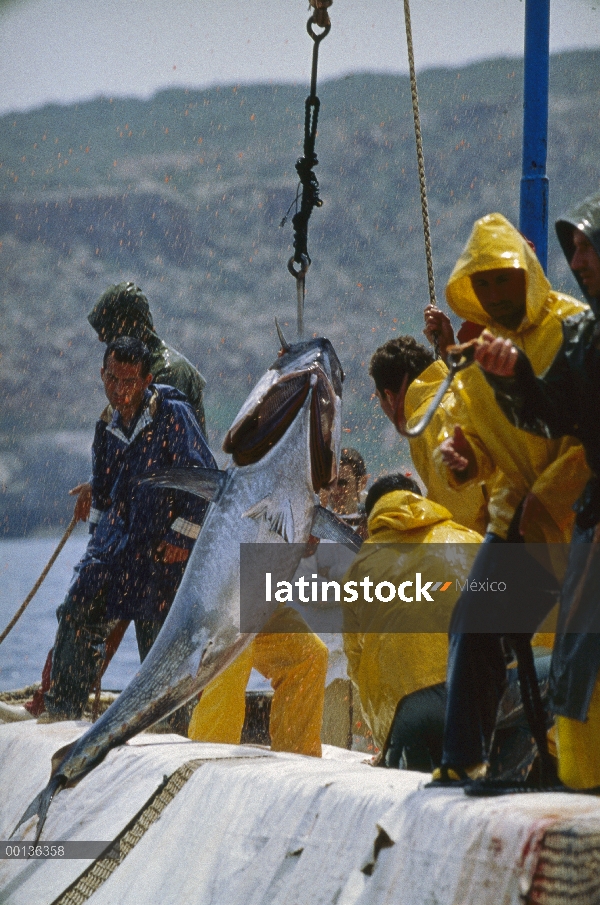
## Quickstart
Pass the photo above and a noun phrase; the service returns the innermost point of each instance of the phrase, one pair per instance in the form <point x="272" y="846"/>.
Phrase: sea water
<point x="24" y="651"/>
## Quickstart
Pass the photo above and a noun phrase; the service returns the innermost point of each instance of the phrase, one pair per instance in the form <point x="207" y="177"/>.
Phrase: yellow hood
<point x="494" y="244"/>
<point x="401" y="512"/>
<point x="387" y="658"/>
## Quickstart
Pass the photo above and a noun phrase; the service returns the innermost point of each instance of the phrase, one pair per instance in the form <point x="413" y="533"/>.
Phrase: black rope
<point x="308" y="180"/>
<point x="533" y="705"/>
<point x="305" y="165"/>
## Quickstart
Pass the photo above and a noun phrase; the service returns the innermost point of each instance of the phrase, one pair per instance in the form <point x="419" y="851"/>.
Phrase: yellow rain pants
<point x="579" y="747"/>
<point x="295" y="661"/>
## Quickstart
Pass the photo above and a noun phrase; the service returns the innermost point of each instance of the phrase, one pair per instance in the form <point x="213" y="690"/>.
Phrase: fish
<point x="284" y="446"/>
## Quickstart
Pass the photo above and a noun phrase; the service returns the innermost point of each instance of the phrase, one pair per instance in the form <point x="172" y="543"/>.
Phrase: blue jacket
<point x="129" y="519"/>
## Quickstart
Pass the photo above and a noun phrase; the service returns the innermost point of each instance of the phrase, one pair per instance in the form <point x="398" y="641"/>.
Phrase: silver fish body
<point x="270" y="500"/>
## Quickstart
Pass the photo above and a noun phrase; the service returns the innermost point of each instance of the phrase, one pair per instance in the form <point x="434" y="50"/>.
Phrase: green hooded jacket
<point x="564" y="400"/>
<point x="123" y="310"/>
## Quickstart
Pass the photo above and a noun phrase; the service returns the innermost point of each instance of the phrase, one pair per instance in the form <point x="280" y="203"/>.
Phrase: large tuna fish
<point x="285" y="446"/>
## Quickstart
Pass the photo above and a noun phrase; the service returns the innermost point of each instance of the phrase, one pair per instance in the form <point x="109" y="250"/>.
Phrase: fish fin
<point x="39" y="806"/>
<point x="327" y="526"/>
<point x="278" y="517"/>
<point x="203" y="482"/>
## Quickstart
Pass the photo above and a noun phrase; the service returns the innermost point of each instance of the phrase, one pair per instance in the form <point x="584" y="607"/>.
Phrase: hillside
<point x="185" y="193"/>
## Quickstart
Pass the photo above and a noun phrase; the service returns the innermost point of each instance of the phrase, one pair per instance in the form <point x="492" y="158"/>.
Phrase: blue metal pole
<point x="533" y="221"/>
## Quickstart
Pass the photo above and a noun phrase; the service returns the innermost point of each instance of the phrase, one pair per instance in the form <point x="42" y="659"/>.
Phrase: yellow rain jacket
<point x="554" y="470"/>
<point x="385" y="661"/>
<point x="467" y="505"/>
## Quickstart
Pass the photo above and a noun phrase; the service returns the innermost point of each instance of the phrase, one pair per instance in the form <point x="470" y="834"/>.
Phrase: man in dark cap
<point x="123" y="310"/>
<point x="579" y="235"/>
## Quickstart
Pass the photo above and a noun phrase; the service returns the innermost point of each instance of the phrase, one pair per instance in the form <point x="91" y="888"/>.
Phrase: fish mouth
<point x="260" y="427"/>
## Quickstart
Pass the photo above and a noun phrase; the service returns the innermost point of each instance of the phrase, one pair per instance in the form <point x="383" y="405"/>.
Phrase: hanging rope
<point x="420" y="161"/>
<point x="300" y="261"/>
<point x="38" y="583"/>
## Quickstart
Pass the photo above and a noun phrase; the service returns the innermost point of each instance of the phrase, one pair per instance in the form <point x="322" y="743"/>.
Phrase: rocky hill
<point x="185" y="194"/>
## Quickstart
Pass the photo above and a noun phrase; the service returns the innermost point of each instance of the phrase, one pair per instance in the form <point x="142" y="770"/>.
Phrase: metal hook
<point x="460" y="358"/>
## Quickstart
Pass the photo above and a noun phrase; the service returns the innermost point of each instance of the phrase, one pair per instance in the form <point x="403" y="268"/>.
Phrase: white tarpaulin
<point x="97" y="809"/>
<point x="253" y="827"/>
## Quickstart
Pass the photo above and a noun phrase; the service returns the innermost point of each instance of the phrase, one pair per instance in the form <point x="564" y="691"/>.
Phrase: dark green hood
<point x="586" y="217"/>
<point x="122" y="310"/>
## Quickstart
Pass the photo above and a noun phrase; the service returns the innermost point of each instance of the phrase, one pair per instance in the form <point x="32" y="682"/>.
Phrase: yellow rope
<point x="420" y="158"/>
<point x="38" y="583"/>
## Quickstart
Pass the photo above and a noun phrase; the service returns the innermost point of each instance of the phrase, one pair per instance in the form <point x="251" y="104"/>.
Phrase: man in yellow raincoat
<point x="565" y="400"/>
<point x="406" y="380"/>
<point x="532" y="481"/>
<point x="396" y="647"/>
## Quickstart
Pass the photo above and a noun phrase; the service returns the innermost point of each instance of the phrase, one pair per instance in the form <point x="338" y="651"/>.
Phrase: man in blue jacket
<point x="142" y="535"/>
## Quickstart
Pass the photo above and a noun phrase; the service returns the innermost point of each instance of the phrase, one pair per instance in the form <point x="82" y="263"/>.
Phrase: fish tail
<point x="40" y="804"/>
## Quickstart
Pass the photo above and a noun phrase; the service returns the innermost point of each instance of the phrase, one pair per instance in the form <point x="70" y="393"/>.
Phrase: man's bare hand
<point x="438" y="327"/>
<point x="83" y="504"/>
<point x="495" y="355"/>
<point x="457" y="453"/>
<point x="169" y="553"/>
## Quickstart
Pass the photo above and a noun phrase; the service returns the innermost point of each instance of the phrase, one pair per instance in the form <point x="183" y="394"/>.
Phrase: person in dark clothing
<point x="142" y="535"/>
<point x="566" y="401"/>
<point x="416" y="736"/>
<point x="123" y="310"/>
<point x="579" y="236"/>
